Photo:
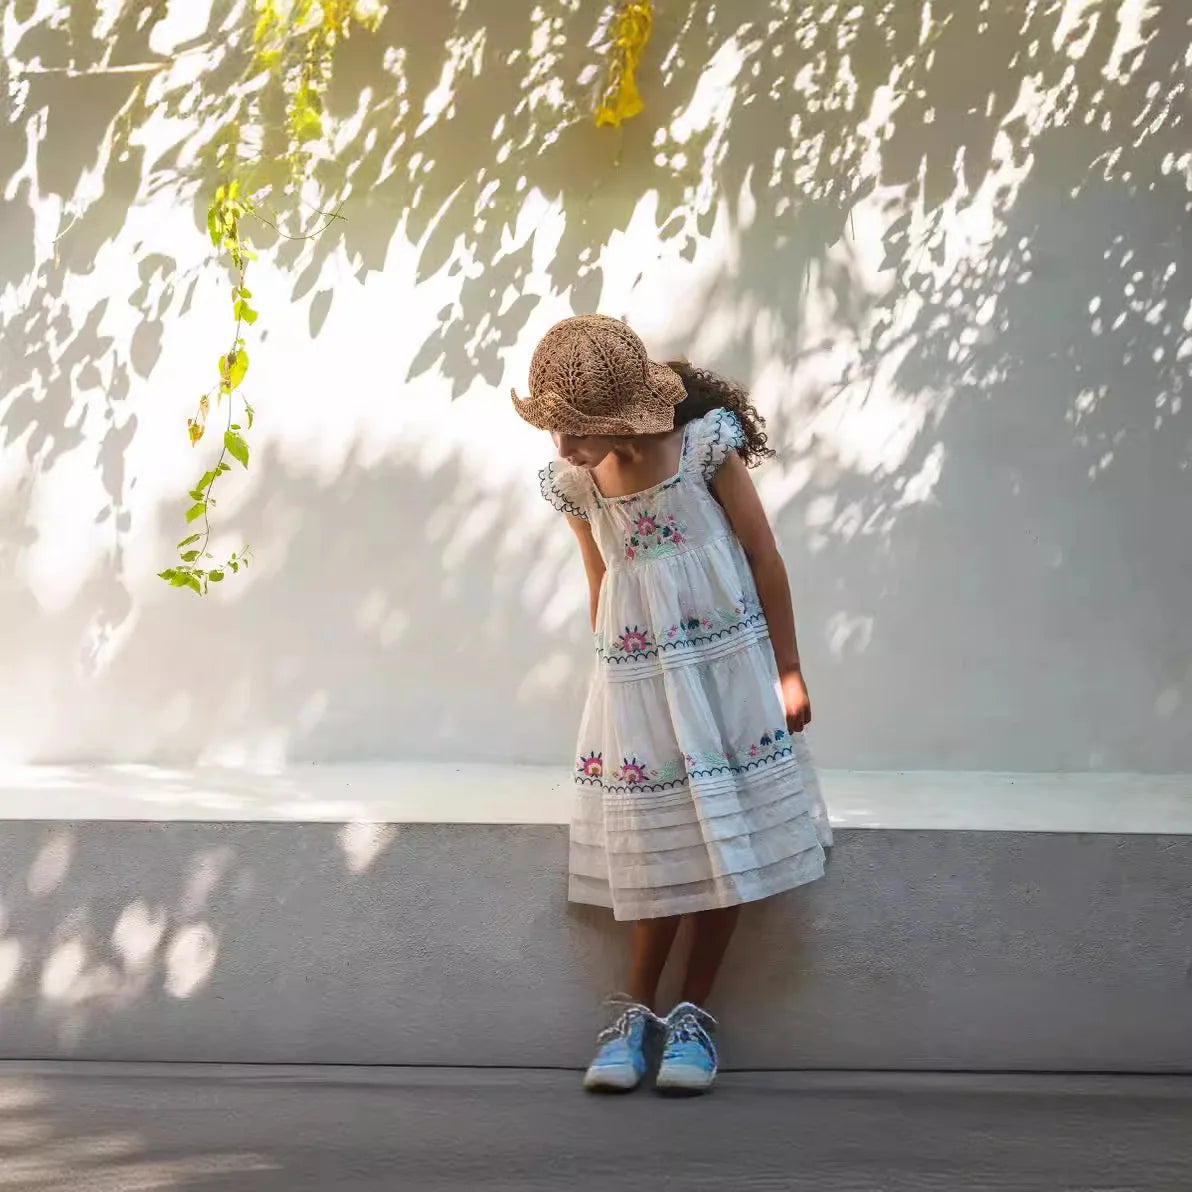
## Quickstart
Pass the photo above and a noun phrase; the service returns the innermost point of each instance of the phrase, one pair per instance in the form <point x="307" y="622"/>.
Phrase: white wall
<point x="951" y="259"/>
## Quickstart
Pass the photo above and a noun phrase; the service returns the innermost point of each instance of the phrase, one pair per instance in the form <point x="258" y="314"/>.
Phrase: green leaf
<point x="215" y="576"/>
<point x="168" y="574"/>
<point x="190" y="556"/>
<point x="180" y="579"/>
<point x="237" y="447"/>
<point x="204" y="481"/>
<point x="305" y="123"/>
<point x="195" y="512"/>
<point x="245" y="292"/>
<point x="252" y="414"/>
<point x="187" y="541"/>
<point x="192" y="582"/>
<point x="213" y="224"/>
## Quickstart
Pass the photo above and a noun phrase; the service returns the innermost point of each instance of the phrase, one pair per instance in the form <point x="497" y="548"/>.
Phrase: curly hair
<point x="708" y="391"/>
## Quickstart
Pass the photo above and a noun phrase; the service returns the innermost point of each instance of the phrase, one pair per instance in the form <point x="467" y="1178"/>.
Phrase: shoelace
<point x="630" y="1010"/>
<point x="692" y="1026"/>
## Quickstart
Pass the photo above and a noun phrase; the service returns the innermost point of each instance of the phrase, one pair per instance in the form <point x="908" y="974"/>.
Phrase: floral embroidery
<point x="653" y="534"/>
<point x="696" y="629"/>
<point x="633" y="641"/>
<point x="636" y="776"/>
<point x="693" y="630"/>
<point x="631" y="775"/>
<point x="633" y="772"/>
<point x="591" y="766"/>
<point x="668" y="773"/>
<point x="769" y="747"/>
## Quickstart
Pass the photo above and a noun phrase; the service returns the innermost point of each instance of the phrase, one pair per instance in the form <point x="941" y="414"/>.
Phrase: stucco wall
<point x="953" y="267"/>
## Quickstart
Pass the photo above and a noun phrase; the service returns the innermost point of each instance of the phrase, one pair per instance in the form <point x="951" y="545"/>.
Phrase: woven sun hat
<point x="590" y="375"/>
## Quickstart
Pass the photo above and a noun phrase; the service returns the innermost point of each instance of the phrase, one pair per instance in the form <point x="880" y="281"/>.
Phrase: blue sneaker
<point x="620" y="1062"/>
<point x="688" y="1054"/>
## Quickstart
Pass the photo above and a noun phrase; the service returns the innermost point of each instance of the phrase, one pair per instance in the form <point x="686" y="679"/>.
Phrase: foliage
<point x="620" y="99"/>
<point x="959" y="136"/>
<point x="292" y="49"/>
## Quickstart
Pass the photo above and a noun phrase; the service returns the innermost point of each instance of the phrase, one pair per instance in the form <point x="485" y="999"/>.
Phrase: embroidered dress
<point x="691" y="794"/>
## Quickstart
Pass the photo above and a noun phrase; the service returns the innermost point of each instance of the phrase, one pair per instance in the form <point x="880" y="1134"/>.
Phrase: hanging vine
<point x="292" y="47"/>
<point x="292" y="52"/>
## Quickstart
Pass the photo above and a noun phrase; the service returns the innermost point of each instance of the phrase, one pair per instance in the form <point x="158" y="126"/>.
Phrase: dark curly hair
<point x="708" y="391"/>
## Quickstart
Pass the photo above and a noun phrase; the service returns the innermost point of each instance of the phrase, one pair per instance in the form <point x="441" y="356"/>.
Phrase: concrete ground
<point x="131" y="1128"/>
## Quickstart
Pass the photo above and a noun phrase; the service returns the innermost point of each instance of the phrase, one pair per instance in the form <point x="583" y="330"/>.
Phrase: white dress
<point x="691" y="795"/>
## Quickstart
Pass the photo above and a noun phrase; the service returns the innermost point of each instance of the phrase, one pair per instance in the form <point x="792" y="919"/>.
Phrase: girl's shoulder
<point x="567" y="488"/>
<point x="709" y="441"/>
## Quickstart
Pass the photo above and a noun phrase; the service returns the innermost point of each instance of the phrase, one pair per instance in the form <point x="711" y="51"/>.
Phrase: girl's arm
<point x="733" y="488"/>
<point x="593" y="563"/>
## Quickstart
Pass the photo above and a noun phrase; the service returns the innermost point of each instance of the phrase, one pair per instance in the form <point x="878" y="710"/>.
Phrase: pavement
<point x="131" y="1128"/>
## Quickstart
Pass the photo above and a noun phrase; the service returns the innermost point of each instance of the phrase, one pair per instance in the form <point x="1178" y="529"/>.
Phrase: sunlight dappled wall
<point x="947" y="246"/>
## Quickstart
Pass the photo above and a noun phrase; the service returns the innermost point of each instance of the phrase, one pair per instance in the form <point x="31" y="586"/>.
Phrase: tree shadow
<point x="942" y="241"/>
<point x="360" y="635"/>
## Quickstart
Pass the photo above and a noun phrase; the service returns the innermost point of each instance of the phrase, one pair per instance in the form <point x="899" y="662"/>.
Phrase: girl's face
<point x="582" y="451"/>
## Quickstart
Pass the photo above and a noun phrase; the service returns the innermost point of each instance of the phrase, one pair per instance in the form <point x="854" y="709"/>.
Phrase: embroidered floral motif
<point x="696" y="629"/>
<point x="768" y="747"/>
<point x="591" y="766"/>
<point x="631" y="775"/>
<point x="633" y="641"/>
<point x="653" y="535"/>
<point x="636" y="776"/>
<point x="669" y="772"/>
<point x="692" y="630"/>
<point x="632" y="772"/>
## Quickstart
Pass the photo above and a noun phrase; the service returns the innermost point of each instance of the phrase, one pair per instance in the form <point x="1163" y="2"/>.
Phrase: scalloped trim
<point x="715" y="635"/>
<point x="709" y="772"/>
<point x="725" y="422"/>
<point x="548" y="485"/>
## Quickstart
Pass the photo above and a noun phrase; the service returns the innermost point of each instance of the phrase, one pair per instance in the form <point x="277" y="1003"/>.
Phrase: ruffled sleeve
<point x="712" y="438"/>
<point x="566" y="488"/>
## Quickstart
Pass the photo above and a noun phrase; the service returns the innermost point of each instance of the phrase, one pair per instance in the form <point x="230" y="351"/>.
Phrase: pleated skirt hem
<point x="712" y="893"/>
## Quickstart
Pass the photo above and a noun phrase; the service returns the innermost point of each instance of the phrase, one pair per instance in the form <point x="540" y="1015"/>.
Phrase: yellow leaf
<point x="194" y="430"/>
<point x="621" y="99"/>
<point x="237" y="367"/>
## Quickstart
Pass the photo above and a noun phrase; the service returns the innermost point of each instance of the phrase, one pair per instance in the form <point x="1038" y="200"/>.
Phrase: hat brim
<point x="649" y="411"/>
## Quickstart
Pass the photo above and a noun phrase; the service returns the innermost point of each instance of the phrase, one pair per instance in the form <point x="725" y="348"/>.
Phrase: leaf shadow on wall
<point x="991" y="431"/>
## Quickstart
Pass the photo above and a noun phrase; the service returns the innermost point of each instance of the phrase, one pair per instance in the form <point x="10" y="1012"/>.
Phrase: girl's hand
<point x="795" y="701"/>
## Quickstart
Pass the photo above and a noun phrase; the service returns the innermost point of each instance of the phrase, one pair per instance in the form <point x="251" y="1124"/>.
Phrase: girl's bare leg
<point x="712" y="934"/>
<point x="652" y="943"/>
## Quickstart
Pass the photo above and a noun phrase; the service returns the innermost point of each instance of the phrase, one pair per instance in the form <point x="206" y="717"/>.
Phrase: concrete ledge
<point x="409" y="793"/>
<point x="452" y="944"/>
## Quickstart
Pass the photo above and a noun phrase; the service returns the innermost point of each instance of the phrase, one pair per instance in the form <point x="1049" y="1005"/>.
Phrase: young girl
<point x="695" y="789"/>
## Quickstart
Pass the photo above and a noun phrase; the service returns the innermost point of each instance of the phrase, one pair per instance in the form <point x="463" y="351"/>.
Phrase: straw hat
<point x="591" y="375"/>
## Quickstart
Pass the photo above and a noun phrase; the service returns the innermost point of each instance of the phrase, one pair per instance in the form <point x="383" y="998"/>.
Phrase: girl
<point x="695" y="789"/>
